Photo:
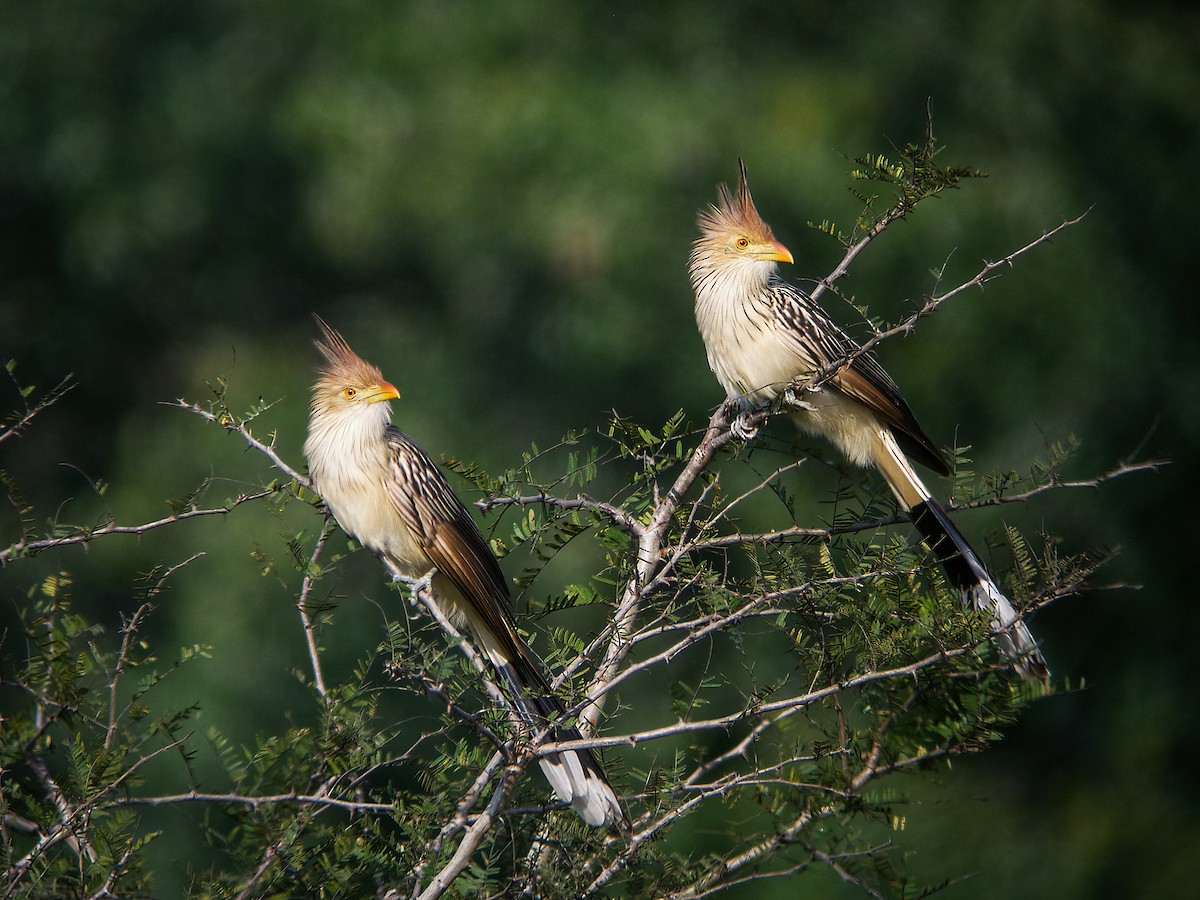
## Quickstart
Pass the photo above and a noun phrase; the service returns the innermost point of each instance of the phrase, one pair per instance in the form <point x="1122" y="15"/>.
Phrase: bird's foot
<point x="416" y="585"/>
<point x="793" y="398"/>
<point x="741" y="411"/>
<point x="742" y="428"/>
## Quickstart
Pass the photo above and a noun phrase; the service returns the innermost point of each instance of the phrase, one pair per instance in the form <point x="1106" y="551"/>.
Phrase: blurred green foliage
<point x="495" y="203"/>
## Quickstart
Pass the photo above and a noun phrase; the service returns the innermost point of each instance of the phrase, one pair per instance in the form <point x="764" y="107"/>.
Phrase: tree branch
<point x="990" y="270"/>
<point x="649" y="543"/>
<point x="607" y="510"/>
<point x="22" y="422"/>
<point x="306" y="588"/>
<point x="471" y="839"/>
<point x="25" y="547"/>
<point x="253" y="801"/>
<point x="1055" y="483"/>
<point x="231" y="424"/>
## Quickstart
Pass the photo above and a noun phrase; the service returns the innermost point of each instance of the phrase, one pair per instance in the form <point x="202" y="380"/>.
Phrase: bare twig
<point x="128" y="631"/>
<point x="989" y="270"/>
<point x="843" y="267"/>
<point x="608" y="510"/>
<point x="320" y="799"/>
<point x="231" y="424"/>
<point x="1056" y="484"/>
<point x="728" y="720"/>
<point x="87" y="535"/>
<point x="306" y="588"/>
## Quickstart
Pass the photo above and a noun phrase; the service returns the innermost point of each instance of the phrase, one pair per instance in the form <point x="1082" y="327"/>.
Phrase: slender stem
<point x="87" y="535"/>
<point x="310" y="627"/>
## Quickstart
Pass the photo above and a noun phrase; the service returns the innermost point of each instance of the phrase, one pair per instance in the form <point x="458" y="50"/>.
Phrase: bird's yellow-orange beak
<point x="776" y="252"/>
<point x="385" y="390"/>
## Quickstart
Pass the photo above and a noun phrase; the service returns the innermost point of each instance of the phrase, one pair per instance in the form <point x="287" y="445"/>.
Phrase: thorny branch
<point x="85" y="535"/>
<point x="989" y="270"/>
<point x="23" y="420"/>
<point x="998" y="498"/>
<point x="237" y="426"/>
<point x="783" y="707"/>
<point x="254" y="801"/>
<point x="1055" y="483"/>
<point x="608" y="510"/>
<point x="306" y="619"/>
<point x="128" y="631"/>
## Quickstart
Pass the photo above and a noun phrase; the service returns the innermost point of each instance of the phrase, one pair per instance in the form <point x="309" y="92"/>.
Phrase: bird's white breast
<point x="349" y="464"/>
<point x="741" y="334"/>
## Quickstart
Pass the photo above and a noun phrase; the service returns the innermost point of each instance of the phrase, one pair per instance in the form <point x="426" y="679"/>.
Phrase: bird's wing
<point x="444" y="529"/>
<point x="815" y="337"/>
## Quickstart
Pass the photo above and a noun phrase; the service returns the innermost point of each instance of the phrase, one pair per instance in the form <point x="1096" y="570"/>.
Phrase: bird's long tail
<point x="575" y="775"/>
<point x="962" y="565"/>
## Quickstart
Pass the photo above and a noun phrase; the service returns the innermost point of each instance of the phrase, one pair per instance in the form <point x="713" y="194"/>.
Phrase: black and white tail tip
<point x="965" y="571"/>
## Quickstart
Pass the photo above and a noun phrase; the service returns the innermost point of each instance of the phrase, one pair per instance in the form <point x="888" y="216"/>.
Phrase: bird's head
<point x="732" y="231"/>
<point x="347" y="384"/>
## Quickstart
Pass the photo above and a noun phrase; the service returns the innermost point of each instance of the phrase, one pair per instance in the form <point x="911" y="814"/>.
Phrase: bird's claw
<point x="793" y="398"/>
<point x="415" y="585"/>
<point x="743" y="429"/>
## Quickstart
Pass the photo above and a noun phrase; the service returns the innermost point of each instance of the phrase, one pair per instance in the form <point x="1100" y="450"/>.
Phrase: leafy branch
<point x="19" y="421"/>
<point x="914" y="176"/>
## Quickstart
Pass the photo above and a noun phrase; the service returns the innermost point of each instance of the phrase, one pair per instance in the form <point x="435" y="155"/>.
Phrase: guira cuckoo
<point x="764" y="336"/>
<point x="389" y="494"/>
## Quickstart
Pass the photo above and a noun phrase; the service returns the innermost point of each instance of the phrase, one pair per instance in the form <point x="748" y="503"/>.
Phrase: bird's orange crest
<point x="735" y="214"/>
<point x="341" y="363"/>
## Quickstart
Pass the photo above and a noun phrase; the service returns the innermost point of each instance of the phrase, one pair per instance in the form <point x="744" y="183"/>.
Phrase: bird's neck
<point x="733" y="309"/>
<point x="723" y="284"/>
<point x="346" y="443"/>
<point x="725" y="288"/>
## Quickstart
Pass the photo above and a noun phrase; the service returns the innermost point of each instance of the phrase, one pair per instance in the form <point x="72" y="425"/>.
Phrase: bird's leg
<point x="741" y="409"/>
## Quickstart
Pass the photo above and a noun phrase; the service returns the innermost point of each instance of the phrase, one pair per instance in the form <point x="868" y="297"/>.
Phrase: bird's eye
<point x="742" y="243"/>
<point x="349" y="393"/>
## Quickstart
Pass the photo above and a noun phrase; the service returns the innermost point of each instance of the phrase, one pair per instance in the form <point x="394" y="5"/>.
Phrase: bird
<point x="764" y="336"/>
<point x="390" y="496"/>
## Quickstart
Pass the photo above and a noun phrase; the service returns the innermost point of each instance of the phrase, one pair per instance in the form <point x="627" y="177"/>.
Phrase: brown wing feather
<point x="817" y="337"/>
<point x="444" y="529"/>
<point x="885" y="399"/>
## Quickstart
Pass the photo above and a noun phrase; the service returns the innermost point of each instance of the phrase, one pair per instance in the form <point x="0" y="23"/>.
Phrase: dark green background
<point x="495" y="203"/>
